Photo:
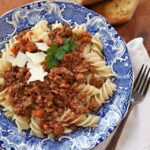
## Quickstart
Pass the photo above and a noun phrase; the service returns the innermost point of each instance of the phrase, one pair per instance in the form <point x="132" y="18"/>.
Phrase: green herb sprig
<point x="55" y="53"/>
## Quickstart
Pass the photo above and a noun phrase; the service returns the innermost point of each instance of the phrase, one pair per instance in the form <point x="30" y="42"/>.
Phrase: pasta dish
<point x="53" y="79"/>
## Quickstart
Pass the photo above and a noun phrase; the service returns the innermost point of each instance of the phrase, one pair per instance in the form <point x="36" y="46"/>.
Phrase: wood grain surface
<point x="138" y="26"/>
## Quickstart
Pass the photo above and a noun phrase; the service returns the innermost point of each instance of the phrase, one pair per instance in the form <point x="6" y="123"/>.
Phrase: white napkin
<point x="136" y="134"/>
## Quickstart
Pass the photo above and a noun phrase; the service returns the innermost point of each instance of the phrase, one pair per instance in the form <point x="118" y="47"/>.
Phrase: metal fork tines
<point x="142" y="82"/>
<point x="140" y="89"/>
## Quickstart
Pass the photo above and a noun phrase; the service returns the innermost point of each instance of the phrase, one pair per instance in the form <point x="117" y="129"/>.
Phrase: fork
<point x="140" y="89"/>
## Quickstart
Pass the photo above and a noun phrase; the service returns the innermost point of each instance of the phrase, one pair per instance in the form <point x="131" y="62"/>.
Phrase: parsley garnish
<point x="55" y="53"/>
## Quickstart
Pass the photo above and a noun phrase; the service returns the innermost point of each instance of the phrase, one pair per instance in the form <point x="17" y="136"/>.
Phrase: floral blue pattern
<point x="116" y="55"/>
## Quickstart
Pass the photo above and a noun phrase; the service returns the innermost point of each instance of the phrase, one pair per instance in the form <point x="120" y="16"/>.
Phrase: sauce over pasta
<point x="72" y="89"/>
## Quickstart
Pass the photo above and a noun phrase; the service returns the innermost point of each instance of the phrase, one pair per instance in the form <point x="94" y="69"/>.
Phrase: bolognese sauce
<point x="49" y="99"/>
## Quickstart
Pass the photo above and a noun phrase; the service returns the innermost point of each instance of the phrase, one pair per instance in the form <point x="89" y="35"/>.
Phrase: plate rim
<point x="129" y="100"/>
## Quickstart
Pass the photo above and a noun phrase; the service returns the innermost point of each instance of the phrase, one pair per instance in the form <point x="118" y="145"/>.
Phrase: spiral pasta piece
<point x="105" y="92"/>
<point x="23" y="123"/>
<point x="65" y="119"/>
<point x="2" y="96"/>
<point x="50" y="136"/>
<point x="67" y="130"/>
<point x="88" y="89"/>
<point x="40" y="27"/>
<point x="1" y="80"/>
<point x="5" y="102"/>
<point x="79" y="29"/>
<point x="88" y="120"/>
<point x="85" y="120"/>
<point x="9" y="45"/>
<point x="4" y="64"/>
<point x="96" y="45"/>
<point x="7" y="106"/>
<point x="88" y="79"/>
<point x="68" y="115"/>
<point x="35" y="129"/>
<point x="87" y="50"/>
<point x="99" y="64"/>
<point x="39" y="32"/>
<point x="56" y="25"/>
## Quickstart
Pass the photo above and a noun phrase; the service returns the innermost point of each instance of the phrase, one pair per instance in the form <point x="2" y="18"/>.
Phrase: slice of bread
<point x="81" y="2"/>
<point x="116" y="11"/>
<point x="89" y="2"/>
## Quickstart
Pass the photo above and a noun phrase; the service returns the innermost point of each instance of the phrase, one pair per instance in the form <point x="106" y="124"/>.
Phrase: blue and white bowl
<point x="116" y="54"/>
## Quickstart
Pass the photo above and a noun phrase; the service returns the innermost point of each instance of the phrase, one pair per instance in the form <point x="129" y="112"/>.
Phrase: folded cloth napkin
<point x="136" y="134"/>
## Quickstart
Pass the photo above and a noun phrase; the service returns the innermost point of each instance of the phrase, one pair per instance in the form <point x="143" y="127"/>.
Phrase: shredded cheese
<point x="36" y="58"/>
<point x="33" y="61"/>
<point x="42" y="46"/>
<point x="20" y="60"/>
<point x="37" y="73"/>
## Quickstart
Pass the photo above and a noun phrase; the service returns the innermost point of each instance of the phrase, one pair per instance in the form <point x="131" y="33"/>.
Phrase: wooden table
<point x="138" y="26"/>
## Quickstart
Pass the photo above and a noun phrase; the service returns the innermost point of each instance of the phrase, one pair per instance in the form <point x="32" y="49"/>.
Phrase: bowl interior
<point x="116" y="55"/>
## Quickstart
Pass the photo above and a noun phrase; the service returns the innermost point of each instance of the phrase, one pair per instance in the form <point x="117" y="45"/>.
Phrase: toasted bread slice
<point x="89" y="2"/>
<point x="81" y="2"/>
<point x="116" y="11"/>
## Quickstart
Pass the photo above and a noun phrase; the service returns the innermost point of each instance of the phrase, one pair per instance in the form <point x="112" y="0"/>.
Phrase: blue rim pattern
<point x="116" y="55"/>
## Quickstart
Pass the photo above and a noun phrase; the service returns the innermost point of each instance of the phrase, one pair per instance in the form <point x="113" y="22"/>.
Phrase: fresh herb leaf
<point x="52" y="49"/>
<point x="53" y="63"/>
<point x="73" y="46"/>
<point x="69" y="45"/>
<point x="66" y="48"/>
<point x="55" y="53"/>
<point x="59" y="55"/>
<point x="67" y="41"/>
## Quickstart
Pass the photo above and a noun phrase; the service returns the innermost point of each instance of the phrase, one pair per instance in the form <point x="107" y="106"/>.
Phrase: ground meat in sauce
<point x="48" y="100"/>
<point x="59" y="35"/>
<point x="77" y="65"/>
<point x="24" y="45"/>
<point x="97" y="82"/>
<point x="21" y="34"/>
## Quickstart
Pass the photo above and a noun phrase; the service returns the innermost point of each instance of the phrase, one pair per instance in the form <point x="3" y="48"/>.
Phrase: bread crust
<point x="116" y="11"/>
<point x="89" y="2"/>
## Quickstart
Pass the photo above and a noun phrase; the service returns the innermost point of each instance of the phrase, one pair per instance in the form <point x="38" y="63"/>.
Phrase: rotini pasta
<point x="40" y="27"/>
<point x="67" y="130"/>
<point x="105" y="92"/>
<point x="68" y="115"/>
<point x="9" y="45"/>
<point x="39" y="32"/>
<point x="88" y="89"/>
<point x="4" y="64"/>
<point x="71" y="79"/>
<point x="88" y="120"/>
<point x="87" y="50"/>
<point x="35" y="129"/>
<point x="100" y="65"/>
<point x="56" y="25"/>
<point x="23" y="123"/>
<point x="2" y="97"/>
<point x="79" y="29"/>
<point x="6" y="104"/>
<point x="96" y="45"/>
<point x="1" y="81"/>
